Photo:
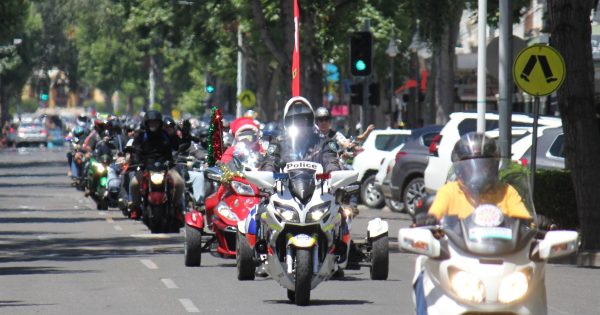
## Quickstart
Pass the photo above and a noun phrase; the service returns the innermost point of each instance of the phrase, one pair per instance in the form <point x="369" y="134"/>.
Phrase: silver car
<point x="31" y="132"/>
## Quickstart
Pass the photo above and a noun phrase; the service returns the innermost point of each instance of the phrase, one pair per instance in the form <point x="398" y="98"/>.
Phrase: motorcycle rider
<point x="245" y="131"/>
<point x="475" y="160"/>
<point x="154" y="144"/>
<point x="300" y="141"/>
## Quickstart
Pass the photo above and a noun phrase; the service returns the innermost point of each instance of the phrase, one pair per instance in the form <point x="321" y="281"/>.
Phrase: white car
<point x="376" y="147"/>
<point x="385" y="168"/>
<point x="459" y="124"/>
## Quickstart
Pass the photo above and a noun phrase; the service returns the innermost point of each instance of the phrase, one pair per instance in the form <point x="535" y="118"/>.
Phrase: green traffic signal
<point x="44" y="97"/>
<point x="210" y="88"/>
<point x="360" y="65"/>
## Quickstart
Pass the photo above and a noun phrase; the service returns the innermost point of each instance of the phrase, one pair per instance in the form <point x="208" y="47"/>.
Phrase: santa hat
<point x="243" y="123"/>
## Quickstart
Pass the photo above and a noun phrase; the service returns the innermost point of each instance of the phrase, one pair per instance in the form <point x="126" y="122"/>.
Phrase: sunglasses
<point x="322" y="119"/>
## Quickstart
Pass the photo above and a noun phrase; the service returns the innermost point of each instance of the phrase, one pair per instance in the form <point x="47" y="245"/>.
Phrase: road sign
<point x="539" y="70"/>
<point x="247" y="98"/>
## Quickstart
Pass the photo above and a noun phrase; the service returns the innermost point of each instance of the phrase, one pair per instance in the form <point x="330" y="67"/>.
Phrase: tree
<point x="570" y="34"/>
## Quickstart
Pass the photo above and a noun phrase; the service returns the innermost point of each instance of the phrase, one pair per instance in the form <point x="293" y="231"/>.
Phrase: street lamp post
<point x="392" y="52"/>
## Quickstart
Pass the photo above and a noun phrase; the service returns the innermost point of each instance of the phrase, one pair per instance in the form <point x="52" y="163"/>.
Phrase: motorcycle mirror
<point x="419" y="241"/>
<point x="342" y="179"/>
<point x="556" y="244"/>
<point x="262" y="179"/>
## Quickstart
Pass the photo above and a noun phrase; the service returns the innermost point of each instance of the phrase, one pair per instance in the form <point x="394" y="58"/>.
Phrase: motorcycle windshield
<point x="245" y="157"/>
<point x="302" y="183"/>
<point x="491" y="210"/>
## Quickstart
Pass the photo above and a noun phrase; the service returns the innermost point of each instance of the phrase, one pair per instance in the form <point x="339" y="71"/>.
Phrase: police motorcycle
<point x="303" y="234"/>
<point x="485" y="260"/>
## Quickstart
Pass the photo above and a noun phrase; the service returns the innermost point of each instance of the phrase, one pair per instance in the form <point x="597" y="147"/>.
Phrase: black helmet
<point x="169" y="122"/>
<point x="322" y="113"/>
<point x="153" y="115"/>
<point x="476" y="159"/>
<point x="298" y="112"/>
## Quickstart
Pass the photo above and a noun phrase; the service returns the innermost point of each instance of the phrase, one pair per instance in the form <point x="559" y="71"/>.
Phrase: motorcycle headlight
<point x="242" y="189"/>
<point x="467" y="286"/>
<point x="224" y="210"/>
<point x="100" y="168"/>
<point x="157" y="178"/>
<point x="513" y="287"/>
<point x="286" y="213"/>
<point x="317" y="212"/>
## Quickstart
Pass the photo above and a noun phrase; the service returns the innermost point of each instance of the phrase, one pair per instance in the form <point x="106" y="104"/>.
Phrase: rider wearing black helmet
<point x="169" y="125"/>
<point x="154" y="144"/>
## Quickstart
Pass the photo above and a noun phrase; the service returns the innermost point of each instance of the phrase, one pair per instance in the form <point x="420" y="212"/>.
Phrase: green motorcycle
<point x="98" y="180"/>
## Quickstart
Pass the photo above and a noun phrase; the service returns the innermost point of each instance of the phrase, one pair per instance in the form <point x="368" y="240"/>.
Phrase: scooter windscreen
<point x="491" y="211"/>
<point x="245" y="157"/>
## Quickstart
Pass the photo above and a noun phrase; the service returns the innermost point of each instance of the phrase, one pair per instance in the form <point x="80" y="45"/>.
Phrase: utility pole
<point x="505" y="80"/>
<point x="365" y="101"/>
<point x="481" y="73"/>
<point x="241" y="73"/>
<point x="151" y="84"/>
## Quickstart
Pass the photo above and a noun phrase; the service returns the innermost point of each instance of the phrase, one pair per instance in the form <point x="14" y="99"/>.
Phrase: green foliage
<point x="554" y="198"/>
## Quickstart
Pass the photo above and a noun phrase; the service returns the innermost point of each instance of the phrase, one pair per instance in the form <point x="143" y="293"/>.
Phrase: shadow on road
<point x="33" y="163"/>
<point x="323" y="302"/>
<point x="54" y="174"/>
<point x="8" y="271"/>
<point x="19" y="303"/>
<point x="28" y="220"/>
<point x="52" y="185"/>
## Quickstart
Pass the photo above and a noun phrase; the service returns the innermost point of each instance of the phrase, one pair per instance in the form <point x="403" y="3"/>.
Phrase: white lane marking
<point x="118" y="228"/>
<point x="43" y="237"/>
<point x="109" y="220"/>
<point x="75" y="207"/>
<point x="169" y="283"/>
<point x="102" y="213"/>
<point x="25" y="207"/>
<point x="557" y="310"/>
<point x="189" y="306"/>
<point x="149" y="263"/>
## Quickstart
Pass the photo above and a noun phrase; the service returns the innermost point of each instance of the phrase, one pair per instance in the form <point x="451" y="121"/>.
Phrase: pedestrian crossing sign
<point x="539" y="70"/>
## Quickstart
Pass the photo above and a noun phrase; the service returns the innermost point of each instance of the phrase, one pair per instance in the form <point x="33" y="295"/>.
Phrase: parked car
<point x="31" y="133"/>
<point x="376" y="147"/>
<point x="459" y="124"/>
<point x="403" y="185"/>
<point x="550" y="149"/>
<point x="384" y="169"/>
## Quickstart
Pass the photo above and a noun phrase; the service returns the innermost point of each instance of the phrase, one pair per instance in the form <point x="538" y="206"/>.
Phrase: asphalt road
<point x="58" y="255"/>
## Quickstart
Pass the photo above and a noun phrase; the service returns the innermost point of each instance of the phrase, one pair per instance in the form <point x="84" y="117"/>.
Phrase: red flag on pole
<point x="296" y="52"/>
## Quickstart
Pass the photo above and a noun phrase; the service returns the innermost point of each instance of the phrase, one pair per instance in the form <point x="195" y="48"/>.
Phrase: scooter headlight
<point x="242" y="189"/>
<point x="224" y="210"/>
<point x="467" y="286"/>
<point x="513" y="287"/>
<point x="317" y="212"/>
<point x="157" y="178"/>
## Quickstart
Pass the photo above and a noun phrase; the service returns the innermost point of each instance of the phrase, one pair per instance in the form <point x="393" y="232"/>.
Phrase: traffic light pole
<point x="365" y="105"/>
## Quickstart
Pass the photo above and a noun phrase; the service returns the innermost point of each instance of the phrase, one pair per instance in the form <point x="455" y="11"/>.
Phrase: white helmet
<point x="299" y="112"/>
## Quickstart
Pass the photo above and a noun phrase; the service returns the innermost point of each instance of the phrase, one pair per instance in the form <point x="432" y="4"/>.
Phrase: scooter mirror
<point x="419" y="241"/>
<point x="556" y="244"/>
<point x="214" y="173"/>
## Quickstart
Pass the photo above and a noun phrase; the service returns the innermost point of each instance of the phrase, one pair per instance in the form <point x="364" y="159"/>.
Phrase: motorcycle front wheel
<point x="244" y="258"/>
<point x="192" y="249"/>
<point x="304" y="270"/>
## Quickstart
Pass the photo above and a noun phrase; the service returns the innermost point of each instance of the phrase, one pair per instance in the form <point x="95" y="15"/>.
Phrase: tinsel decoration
<point x="228" y="175"/>
<point x="215" y="137"/>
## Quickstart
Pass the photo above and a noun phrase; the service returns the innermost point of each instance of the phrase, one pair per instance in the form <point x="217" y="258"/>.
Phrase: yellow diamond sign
<point x="539" y="70"/>
<point x="247" y="98"/>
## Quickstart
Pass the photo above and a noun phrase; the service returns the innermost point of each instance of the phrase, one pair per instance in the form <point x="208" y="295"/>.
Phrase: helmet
<point x="169" y="122"/>
<point x="153" y="115"/>
<point x="298" y="112"/>
<point x="78" y="131"/>
<point x="251" y="114"/>
<point x="100" y="125"/>
<point x="476" y="160"/>
<point x="322" y="113"/>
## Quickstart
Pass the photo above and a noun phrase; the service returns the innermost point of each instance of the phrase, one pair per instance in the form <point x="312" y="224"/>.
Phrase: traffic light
<point x="361" y="47"/>
<point x="209" y="84"/>
<point x="356" y="94"/>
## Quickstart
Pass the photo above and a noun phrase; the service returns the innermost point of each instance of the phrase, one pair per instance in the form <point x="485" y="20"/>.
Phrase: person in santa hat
<point x="246" y="135"/>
